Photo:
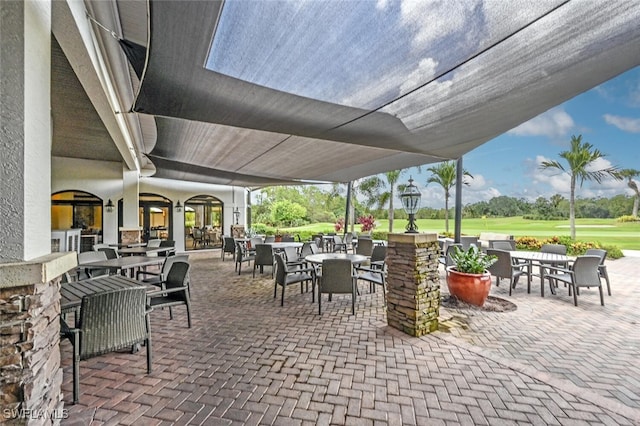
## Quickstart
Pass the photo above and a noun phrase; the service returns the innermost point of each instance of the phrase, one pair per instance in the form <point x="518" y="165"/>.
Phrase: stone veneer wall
<point x="30" y="373"/>
<point x="413" y="283"/>
<point x="130" y="236"/>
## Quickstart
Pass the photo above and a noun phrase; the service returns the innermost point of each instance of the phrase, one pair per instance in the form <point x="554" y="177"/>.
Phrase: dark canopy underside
<point x="441" y="97"/>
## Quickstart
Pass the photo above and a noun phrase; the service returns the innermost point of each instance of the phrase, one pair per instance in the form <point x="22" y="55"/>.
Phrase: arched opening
<point x="155" y="216"/>
<point x="78" y="210"/>
<point x="203" y="222"/>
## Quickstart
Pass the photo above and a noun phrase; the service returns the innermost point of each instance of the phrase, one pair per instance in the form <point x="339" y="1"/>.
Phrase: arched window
<point x="76" y="209"/>
<point x="155" y="216"/>
<point x="79" y="210"/>
<point x="203" y="212"/>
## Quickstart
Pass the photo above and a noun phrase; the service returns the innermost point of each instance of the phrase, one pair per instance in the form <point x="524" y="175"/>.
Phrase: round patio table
<point x="320" y="257"/>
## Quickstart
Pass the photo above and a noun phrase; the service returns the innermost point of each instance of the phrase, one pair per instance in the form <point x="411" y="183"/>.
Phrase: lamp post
<point x="410" y="198"/>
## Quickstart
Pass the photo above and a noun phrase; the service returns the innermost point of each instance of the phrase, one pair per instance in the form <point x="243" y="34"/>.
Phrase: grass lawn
<point x="606" y="231"/>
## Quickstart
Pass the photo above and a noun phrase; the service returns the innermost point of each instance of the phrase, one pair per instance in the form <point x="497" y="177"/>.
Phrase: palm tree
<point x="372" y="188"/>
<point x="444" y="174"/>
<point x="580" y="160"/>
<point x="630" y="174"/>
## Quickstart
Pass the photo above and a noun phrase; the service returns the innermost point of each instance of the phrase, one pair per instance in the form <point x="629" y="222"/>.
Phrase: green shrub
<point x="628" y="218"/>
<point x="574" y="248"/>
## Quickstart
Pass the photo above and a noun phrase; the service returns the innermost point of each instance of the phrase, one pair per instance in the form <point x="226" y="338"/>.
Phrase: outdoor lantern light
<point x="109" y="206"/>
<point x="236" y="214"/>
<point x="178" y="206"/>
<point x="411" y="203"/>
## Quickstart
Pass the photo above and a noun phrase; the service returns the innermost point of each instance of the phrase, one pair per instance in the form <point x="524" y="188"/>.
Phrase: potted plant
<point x="468" y="278"/>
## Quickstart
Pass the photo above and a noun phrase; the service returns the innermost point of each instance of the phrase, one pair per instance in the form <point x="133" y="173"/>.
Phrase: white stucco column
<point x="130" y="200"/>
<point x="25" y="132"/>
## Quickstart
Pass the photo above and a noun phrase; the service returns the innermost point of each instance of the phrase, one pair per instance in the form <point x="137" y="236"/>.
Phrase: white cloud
<point x="478" y="182"/>
<point x="414" y="15"/>
<point x="626" y="124"/>
<point x="382" y="4"/>
<point x="553" y="123"/>
<point x="425" y="71"/>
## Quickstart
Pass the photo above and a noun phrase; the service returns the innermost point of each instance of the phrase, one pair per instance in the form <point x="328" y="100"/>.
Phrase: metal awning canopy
<point x="259" y="93"/>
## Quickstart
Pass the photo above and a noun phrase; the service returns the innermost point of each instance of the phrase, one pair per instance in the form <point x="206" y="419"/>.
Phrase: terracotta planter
<point x="470" y="288"/>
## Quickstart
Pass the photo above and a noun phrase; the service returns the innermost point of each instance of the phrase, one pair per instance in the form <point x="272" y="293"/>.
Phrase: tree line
<point x="299" y="205"/>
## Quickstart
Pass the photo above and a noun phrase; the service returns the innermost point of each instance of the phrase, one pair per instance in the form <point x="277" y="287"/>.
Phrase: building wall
<point x="104" y="180"/>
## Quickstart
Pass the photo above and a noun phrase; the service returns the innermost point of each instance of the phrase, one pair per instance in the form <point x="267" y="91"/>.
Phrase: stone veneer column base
<point x="30" y="373"/>
<point x="413" y="283"/>
<point x="130" y="236"/>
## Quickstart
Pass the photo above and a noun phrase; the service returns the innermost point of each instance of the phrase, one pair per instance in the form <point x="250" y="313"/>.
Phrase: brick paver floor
<point x="247" y="360"/>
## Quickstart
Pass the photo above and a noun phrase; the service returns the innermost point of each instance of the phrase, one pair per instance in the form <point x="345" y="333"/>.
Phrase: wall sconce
<point x="109" y="206"/>
<point x="178" y="206"/>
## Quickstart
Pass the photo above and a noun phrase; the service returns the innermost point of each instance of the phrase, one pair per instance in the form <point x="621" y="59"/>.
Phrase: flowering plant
<point x="339" y="225"/>
<point x="367" y="223"/>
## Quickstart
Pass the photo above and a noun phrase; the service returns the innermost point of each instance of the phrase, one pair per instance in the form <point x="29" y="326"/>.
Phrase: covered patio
<point x="82" y="115"/>
<point x="247" y="360"/>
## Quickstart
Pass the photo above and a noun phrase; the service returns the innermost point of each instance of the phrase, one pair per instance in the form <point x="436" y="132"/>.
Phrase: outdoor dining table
<point x="71" y="293"/>
<point x="143" y="251"/>
<point x="280" y="245"/>
<point x="541" y="259"/>
<point x="128" y="263"/>
<point x="318" y="258"/>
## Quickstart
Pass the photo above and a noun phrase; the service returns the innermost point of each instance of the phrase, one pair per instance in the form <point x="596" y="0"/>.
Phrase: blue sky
<point x="608" y="117"/>
<point x="382" y="49"/>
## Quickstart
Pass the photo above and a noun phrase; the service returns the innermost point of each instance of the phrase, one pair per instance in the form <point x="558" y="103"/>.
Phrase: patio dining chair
<point x="468" y="240"/>
<point x="263" y="257"/>
<point x="375" y="273"/>
<point x="446" y="260"/>
<point x="602" y="268"/>
<point x="175" y="290"/>
<point x="339" y="245"/>
<point x="505" y="267"/>
<point x="364" y="247"/>
<point x="158" y="278"/>
<point x="88" y="257"/>
<point x="582" y="273"/>
<point x="243" y="255"/>
<point x="109" y="321"/>
<point x="286" y="276"/>
<point x="337" y="277"/>
<point x="228" y="247"/>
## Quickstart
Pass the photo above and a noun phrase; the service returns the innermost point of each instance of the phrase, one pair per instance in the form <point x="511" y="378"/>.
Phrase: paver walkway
<point x="247" y="360"/>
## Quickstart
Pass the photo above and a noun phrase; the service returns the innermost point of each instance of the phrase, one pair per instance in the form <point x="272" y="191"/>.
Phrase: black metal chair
<point x="109" y="321"/>
<point x="175" y="291"/>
